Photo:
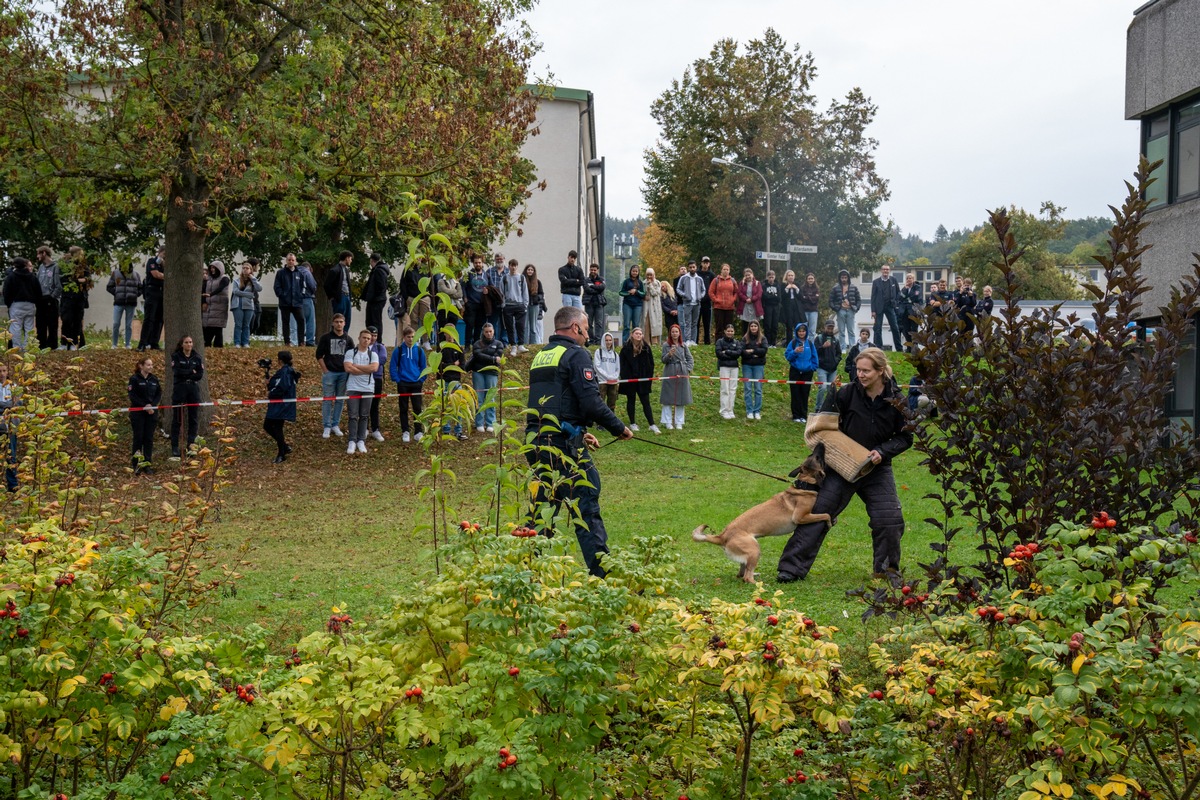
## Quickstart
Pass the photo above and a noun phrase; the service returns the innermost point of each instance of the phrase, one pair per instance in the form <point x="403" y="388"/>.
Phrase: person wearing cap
<point x="214" y="305"/>
<point x="829" y="358"/>
<point x="378" y="349"/>
<point x="706" y="274"/>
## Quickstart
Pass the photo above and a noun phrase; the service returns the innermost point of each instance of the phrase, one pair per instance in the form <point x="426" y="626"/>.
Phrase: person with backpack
<point x="829" y="357"/>
<point x="407" y="369"/>
<point x="281" y="390"/>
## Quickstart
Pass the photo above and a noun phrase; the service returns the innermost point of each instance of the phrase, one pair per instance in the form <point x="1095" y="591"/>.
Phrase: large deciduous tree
<point x="755" y="106"/>
<point x="325" y="114"/>
<point x="1037" y="274"/>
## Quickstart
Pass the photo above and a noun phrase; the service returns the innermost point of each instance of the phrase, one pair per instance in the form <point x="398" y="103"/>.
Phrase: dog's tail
<point x="699" y="535"/>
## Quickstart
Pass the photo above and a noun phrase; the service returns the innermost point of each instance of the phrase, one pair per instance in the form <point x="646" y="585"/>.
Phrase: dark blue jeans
<point x="342" y="306"/>
<point x="10" y="465"/>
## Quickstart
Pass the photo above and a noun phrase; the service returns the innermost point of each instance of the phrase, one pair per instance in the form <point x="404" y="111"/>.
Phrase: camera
<point x="265" y="365"/>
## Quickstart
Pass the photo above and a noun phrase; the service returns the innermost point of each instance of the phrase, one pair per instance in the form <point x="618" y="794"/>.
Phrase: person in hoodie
<point x="516" y="301"/>
<point x="864" y="341"/>
<point x="801" y="356"/>
<point x="844" y="302"/>
<point x="770" y="305"/>
<point x="608" y="370"/>
<point x="484" y="366"/>
<point x="729" y="354"/>
<point x="829" y="358"/>
<point x="407" y="369"/>
<point x="789" y="304"/>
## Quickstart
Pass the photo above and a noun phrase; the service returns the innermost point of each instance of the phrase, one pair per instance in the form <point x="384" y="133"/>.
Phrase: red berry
<point x="769" y="646"/>
<point x="22" y="632"/>
<point x="998" y="617"/>
<point x="112" y="690"/>
<point x="772" y="620"/>
<point x="510" y="760"/>
<point x="906" y="590"/>
<point x="932" y="691"/>
<point x="970" y="731"/>
<point x="758" y="601"/>
<point x="416" y="690"/>
<point x="514" y="671"/>
<point x="165" y="778"/>
<point x="801" y="777"/>
<point x="790" y="779"/>
<point x="768" y="656"/>
<point x="877" y="695"/>
<point x="1059" y="752"/>
<point x="1112" y="523"/>
<point x="816" y="634"/>
<point x="799" y="751"/>
<point x="504" y="752"/>
<point x="635" y="628"/>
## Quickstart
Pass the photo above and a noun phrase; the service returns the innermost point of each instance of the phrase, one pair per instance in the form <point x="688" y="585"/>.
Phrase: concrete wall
<point x="1162" y="59"/>
<point x="1162" y="65"/>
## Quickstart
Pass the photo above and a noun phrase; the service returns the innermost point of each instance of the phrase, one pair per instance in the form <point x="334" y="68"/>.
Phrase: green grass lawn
<point x="329" y="529"/>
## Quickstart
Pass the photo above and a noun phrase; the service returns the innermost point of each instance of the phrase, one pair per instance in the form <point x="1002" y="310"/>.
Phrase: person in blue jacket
<point x="802" y="362"/>
<point x="407" y="369"/>
<point x="281" y="387"/>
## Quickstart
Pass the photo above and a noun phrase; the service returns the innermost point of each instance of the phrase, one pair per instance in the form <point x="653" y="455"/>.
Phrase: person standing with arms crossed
<point x="563" y="386"/>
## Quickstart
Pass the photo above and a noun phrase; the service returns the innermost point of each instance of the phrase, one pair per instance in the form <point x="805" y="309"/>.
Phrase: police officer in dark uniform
<point x="563" y="387"/>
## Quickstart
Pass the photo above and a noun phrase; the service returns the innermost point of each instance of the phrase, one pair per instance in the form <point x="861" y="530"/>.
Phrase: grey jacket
<point x="244" y="298"/>
<point x="125" y="289"/>
<point x="216" y="313"/>
<point x="50" y="277"/>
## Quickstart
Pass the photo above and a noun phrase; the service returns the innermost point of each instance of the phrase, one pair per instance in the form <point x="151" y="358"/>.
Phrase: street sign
<point x="765" y="256"/>
<point x="802" y="248"/>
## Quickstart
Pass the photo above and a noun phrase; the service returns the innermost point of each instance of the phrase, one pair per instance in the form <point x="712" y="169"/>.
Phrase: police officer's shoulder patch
<point x="588" y="375"/>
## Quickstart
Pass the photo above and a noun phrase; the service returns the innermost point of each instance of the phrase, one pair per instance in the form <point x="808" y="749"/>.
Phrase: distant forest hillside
<point x="1081" y="238"/>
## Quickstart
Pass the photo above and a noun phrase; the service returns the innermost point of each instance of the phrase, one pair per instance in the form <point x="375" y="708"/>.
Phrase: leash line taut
<point x="710" y="458"/>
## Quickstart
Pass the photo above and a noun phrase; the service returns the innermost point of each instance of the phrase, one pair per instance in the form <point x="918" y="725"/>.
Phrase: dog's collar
<point x="806" y="487"/>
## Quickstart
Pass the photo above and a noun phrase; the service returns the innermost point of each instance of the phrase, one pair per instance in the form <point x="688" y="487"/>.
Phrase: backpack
<point x="395" y="306"/>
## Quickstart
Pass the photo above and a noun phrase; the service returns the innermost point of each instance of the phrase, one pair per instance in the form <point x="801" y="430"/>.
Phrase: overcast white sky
<point x="980" y="104"/>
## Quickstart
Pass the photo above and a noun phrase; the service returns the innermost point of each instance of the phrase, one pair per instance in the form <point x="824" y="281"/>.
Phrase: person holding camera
<point x="281" y="391"/>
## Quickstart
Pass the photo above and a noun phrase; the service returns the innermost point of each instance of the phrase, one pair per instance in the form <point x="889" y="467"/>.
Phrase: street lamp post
<point x="725" y="162"/>
<point x="623" y="249"/>
<point x="595" y="168"/>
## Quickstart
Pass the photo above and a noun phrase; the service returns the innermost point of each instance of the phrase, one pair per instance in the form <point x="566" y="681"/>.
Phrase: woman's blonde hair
<point x="878" y="360"/>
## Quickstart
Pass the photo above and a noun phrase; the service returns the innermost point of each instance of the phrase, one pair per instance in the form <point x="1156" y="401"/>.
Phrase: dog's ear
<point x="796" y="471"/>
<point x="819" y="451"/>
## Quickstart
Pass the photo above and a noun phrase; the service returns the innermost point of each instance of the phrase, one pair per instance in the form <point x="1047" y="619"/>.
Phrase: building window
<point x="864" y="277"/>
<point x="1187" y="151"/>
<point x="1173" y="138"/>
<point x="269" y="324"/>
<point x="1181" y="401"/>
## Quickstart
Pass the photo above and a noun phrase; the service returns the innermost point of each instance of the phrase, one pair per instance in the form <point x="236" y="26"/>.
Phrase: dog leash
<point x="701" y="455"/>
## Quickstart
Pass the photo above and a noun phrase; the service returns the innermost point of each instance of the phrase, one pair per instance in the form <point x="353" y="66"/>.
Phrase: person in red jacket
<point x="749" y="300"/>
<point x="723" y="293"/>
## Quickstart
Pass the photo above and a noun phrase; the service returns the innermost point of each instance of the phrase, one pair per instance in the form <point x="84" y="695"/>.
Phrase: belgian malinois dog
<point x="778" y="516"/>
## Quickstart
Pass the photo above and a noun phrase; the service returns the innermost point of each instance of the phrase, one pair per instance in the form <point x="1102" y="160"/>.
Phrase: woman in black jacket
<point x="637" y="370"/>
<point x="484" y="366"/>
<point x="867" y="414"/>
<point x="729" y="356"/>
<point x="145" y="393"/>
<point x="187" y="368"/>
<point x="754" y="368"/>
<point x="281" y="387"/>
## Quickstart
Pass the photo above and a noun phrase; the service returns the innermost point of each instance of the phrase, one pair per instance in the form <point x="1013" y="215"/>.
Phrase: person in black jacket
<point x="570" y="281"/>
<point x="637" y="374"/>
<point x="289" y="291"/>
<point x="145" y="393"/>
<point x="22" y="293"/>
<point x="771" y="300"/>
<point x="484" y="366"/>
<point x="869" y="414"/>
<point x="187" y="368"/>
<point x="337" y="286"/>
<point x="564" y="399"/>
<point x="375" y="291"/>
<point x="281" y="387"/>
<point x="885" y="299"/>
<point x="594" y="301"/>
<point x="707" y="275"/>
<point x="911" y="302"/>
<point x="729" y="355"/>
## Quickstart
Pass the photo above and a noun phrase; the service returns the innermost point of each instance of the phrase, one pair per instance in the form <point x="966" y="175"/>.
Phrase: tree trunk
<point x="184" y="274"/>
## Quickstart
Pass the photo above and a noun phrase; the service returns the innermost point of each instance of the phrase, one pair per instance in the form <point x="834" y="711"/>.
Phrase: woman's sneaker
<point x="404" y="437"/>
<point x="351" y="449"/>
<point x="654" y="429"/>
